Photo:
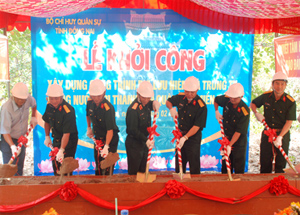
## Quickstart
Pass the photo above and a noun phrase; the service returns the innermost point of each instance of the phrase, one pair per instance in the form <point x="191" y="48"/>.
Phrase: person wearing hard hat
<point x="101" y="114"/>
<point x="235" y="118"/>
<point x="192" y="114"/>
<point x="60" y="118"/>
<point x="138" y="119"/>
<point x="14" y="124"/>
<point x="279" y="113"/>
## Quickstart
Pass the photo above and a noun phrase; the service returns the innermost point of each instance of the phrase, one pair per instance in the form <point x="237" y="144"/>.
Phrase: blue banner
<point x="123" y="47"/>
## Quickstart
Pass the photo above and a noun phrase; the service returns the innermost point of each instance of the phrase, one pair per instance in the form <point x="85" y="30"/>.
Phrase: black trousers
<point x="70" y="151"/>
<point x="190" y="152"/>
<point x="237" y="156"/>
<point x="113" y="146"/>
<point x="266" y="154"/>
<point x="137" y="153"/>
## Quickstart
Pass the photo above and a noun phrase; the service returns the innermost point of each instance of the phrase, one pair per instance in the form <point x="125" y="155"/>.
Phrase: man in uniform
<point x="61" y="119"/>
<point x="14" y="124"/>
<point x="101" y="113"/>
<point x="138" y="119"/>
<point x="192" y="114"/>
<point x="235" y="123"/>
<point x="279" y="113"/>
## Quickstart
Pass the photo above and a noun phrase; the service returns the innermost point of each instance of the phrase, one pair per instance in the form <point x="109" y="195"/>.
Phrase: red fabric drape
<point x="189" y="9"/>
<point x="278" y="186"/>
<point x="235" y="24"/>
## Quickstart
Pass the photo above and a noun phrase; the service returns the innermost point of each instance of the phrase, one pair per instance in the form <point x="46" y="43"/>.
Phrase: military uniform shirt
<point x="62" y="120"/>
<point x="102" y="117"/>
<point x="234" y="119"/>
<point x="138" y="119"/>
<point x="276" y="112"/>
<point x="189" y="114"/>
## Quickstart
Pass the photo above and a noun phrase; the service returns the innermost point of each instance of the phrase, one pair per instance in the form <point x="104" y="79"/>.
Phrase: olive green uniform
<point x="138" y="119"/>
<point x="276" y="114"/>
<point x="189" y="115"/>
<point x="62" y="120"/>
<point x="103" y="119"/>
<point x="235" y="120"/>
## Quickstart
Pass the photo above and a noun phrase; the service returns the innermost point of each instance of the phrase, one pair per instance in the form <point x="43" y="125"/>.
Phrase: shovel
<point x="272" y="134"/>
<point x="9" y="170"/>
<point x="224" y="139"/>
<point x="109" y="161"/>
<point x="177" y="135"/>
<point x="147" y="177"/>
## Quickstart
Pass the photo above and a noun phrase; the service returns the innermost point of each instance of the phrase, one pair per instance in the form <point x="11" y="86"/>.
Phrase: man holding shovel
<point x="235" y="123"/>
<point x="192" y="114"/>
<point x="138" y="119"/>
<point x="14" y="124"/>
<point x="279" y="113"/>
<point x="101" y="114"/>
<point x="61" y="119"/>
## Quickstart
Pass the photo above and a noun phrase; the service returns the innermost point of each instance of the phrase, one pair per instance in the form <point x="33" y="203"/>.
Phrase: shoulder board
<point x="181" y="94"/>
<point x="200" y="103"/>
<point x="89" y="99"/>
<point x="290" y="98"/>
<point x="267" y="92"/>
<point x="106" y="106"/>
<point x="66" y="109"/>
<point x="245" y="112"/>
<point x="135" y="106"/>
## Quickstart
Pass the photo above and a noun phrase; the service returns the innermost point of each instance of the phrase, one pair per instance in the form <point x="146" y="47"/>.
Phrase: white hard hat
<point x="279" y="76"/>
<point x="20" y="90"/>
<point x="145" y="89"/>
<point x="235" y="90"/>
<point x="191" y="84"/>
<point x="96" y="87"/>
<point x="55" y="90"/>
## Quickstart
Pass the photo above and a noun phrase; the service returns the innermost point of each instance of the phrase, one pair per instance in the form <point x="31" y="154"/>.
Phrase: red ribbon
<point x="68" y="191"/>
<point x="53" y="153"/>
<point x="99" y="145"/>
<point x="271" y="133"/>
<point x="279" y="185"/>
<point x="23" y="140"/>
<point x="174" y="189"/>
<point x="224" y="142"/>
<point x="177" y="135"/>
<point x="152" y="130"/>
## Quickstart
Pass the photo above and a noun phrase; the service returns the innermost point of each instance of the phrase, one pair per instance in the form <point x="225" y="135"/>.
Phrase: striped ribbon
<point x="225" y="151"/>
<point x="151" y="135"/>
<point x="279" y="147"/>
<point x="19" y="146"/>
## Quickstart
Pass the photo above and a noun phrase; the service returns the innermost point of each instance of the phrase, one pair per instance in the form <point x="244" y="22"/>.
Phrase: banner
<point x="124" y="47"/>
<point x="287" y="55"/>
<point x="4" y="70"/>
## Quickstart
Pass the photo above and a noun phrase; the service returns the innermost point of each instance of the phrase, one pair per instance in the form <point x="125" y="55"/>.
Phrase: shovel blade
<point x="141" y="177"/>
<point x="180" y="176"/>
<point x="8" y="170"/>
<point x="110" y="160"/>
<point x="68" y="165"/>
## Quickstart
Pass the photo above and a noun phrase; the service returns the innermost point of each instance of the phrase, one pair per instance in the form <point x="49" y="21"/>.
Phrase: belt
<point x="183" y="132"/>
<point x="276" y="129"/>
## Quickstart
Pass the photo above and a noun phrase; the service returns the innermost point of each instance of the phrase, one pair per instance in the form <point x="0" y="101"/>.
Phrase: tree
<point x="19" y="48"/>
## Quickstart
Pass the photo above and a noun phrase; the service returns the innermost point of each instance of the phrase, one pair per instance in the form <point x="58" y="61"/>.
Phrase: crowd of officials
<point x="279" y="111"/>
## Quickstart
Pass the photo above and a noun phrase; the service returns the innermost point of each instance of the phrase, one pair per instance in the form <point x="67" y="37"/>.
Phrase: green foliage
<point x="19" y="48"/>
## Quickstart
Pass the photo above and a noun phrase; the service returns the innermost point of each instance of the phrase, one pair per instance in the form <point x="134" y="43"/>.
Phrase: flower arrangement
<point x="51" y="212"/>
<point x="293" y="209"/>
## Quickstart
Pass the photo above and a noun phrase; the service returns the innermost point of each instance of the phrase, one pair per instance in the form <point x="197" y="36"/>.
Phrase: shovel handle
<point x="287" y="159"/>
<point x="19" y="146"/>
<point x="225" y="151"/>
<point x="281" y="150"/>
